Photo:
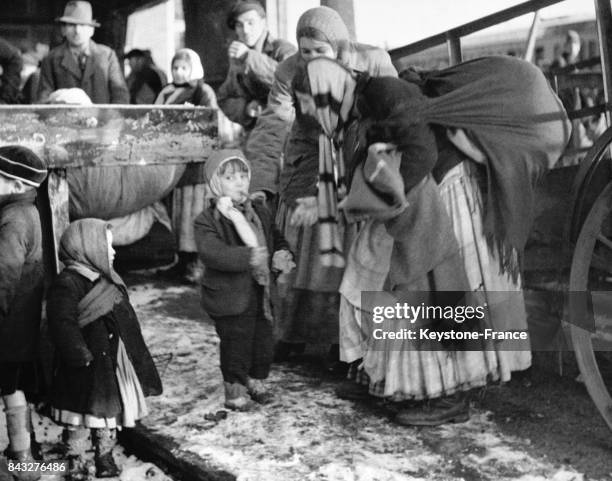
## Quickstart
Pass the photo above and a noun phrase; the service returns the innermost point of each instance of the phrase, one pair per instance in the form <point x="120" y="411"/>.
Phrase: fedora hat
<point x="78" y="12"/>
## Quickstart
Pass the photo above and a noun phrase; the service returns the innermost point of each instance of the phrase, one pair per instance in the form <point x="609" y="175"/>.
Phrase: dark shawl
<point x="509" y="110"/>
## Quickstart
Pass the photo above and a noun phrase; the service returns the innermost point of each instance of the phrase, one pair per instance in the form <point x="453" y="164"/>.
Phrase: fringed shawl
<point x="332" y="87"/>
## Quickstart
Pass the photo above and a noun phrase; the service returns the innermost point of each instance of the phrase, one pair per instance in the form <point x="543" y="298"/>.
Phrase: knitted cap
<point x="327" y="21"/>
<point x="243" y="6"/>
<point x="20" y="163"/>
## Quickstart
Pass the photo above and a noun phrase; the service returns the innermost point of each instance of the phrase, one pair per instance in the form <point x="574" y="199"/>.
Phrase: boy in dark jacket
<point x="235" y="237"/>
<point x="21" y="290"/>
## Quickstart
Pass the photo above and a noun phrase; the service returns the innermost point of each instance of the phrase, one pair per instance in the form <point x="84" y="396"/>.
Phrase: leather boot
<point x="450" y="409"/>
<point x="17" y="424"/>
<point x="259" y="392"/>
<point x="104" y="440"/>
<point x="75" y="443"/>
<point x="237" y="397"/>
<point x="352" y="391"/>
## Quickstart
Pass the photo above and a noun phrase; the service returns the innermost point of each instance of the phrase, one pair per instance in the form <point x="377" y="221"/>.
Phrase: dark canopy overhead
<point x="34" y="20"/>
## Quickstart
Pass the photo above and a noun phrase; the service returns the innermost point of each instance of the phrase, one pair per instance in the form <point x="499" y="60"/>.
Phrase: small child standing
<point x="187" y="87"/>
<point x="21" y="292"/>
<point x="235" y="236"/>
<point x="103" y="369"/>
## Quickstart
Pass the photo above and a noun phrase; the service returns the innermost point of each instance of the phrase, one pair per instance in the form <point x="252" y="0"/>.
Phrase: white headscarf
<point x="197" y="71"/>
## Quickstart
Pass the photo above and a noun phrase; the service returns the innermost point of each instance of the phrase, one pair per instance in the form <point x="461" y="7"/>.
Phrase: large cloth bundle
<point x="109" y="192"/>
<point x="508" y="109"/>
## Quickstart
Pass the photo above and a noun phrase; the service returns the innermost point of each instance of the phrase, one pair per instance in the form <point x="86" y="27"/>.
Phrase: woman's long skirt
<point x="309" y="311"/>
<point x="414" y="373"/>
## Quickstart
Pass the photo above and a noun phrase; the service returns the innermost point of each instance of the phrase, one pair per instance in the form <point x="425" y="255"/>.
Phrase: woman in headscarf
<point x="309" y="313"/>
<point x="103" y="369"/>
<point x="187" y="87"/>
<point x="437" y="237"/>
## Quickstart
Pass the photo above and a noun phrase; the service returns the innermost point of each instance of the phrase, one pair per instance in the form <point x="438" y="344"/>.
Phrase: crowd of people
<point x="350" y="180"/>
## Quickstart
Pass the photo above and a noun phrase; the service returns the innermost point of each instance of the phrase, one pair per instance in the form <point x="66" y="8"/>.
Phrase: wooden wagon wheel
<point x="591" y="270"/>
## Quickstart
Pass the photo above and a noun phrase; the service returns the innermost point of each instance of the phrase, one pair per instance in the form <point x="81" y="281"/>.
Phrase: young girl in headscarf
<point x="187" y="87"/>
<point x="236" y="237"/>
<point x="103" y="369"/>
<point x="309" y="313"/>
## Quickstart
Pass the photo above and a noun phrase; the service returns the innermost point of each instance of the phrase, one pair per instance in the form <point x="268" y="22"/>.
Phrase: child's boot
<point x="259" y="392"/>
<point x="18" y="426"/>
<point x="237" y="398"/>
<point x="76" y="442"/>
<point x="104" y="440"/>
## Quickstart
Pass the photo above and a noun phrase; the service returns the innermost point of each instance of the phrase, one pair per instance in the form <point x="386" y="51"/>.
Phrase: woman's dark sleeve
<point x="392" y="107"/>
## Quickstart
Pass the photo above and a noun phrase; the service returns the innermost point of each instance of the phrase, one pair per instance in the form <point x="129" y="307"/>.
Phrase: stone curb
<point x="166" y="453"/>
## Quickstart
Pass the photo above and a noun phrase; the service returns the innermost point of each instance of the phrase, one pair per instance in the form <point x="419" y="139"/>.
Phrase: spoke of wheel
<point x="604" y="240"/>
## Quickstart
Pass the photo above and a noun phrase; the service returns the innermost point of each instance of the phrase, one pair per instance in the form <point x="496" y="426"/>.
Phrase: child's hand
<point x="259" y="257"/>
<point x="224" y="205"/>
<point x="282" y="261"/>
<point x="306" y="213"/>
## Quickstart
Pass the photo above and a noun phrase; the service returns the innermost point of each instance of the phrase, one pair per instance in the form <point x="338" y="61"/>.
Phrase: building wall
<point x="153" y="29"/>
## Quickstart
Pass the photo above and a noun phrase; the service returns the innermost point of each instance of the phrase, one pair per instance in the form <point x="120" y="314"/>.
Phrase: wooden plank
<point x="111" y="135"/>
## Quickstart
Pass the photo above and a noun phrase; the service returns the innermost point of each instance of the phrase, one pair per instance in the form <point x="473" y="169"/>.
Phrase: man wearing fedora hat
<point x="81" y="63"/>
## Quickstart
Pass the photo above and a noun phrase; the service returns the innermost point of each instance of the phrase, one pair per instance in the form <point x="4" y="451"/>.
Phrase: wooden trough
<point x="117" y="139"/>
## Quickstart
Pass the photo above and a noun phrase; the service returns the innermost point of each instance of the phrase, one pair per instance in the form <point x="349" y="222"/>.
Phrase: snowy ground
<point x="308" y="433"/>
<point x="49" y="434"/>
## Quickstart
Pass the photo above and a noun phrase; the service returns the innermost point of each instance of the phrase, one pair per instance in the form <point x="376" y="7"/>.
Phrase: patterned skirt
<point x="412" y="373"/>
<point x="309" y="311"/>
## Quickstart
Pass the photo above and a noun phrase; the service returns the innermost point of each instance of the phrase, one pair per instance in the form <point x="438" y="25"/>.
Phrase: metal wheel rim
<point x="579" y="275"/>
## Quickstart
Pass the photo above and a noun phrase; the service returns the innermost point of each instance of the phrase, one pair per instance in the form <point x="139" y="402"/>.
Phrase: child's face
<point x="111" y="251"/>
<point x="181" y="71"/>
<point x="234" y="184"/>
<point x="11" y="186"/>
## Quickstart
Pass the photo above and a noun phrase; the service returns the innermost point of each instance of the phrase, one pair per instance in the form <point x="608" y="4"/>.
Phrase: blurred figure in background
<point x="10" y="71"/>
<point x="253" y="59"/>
<point x="187" y="87"/>
<point x="146" y="79"/>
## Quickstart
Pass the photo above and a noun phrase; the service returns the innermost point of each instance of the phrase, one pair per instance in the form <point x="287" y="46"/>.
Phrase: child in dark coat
<point x="235" y="237"/>
<point x="21" y="291"/>
<point x="103" y="369"/>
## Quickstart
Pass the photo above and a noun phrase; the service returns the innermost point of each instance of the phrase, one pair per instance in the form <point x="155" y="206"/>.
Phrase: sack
<point x="115" y="191"/>
<point x="377" y="188"/>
